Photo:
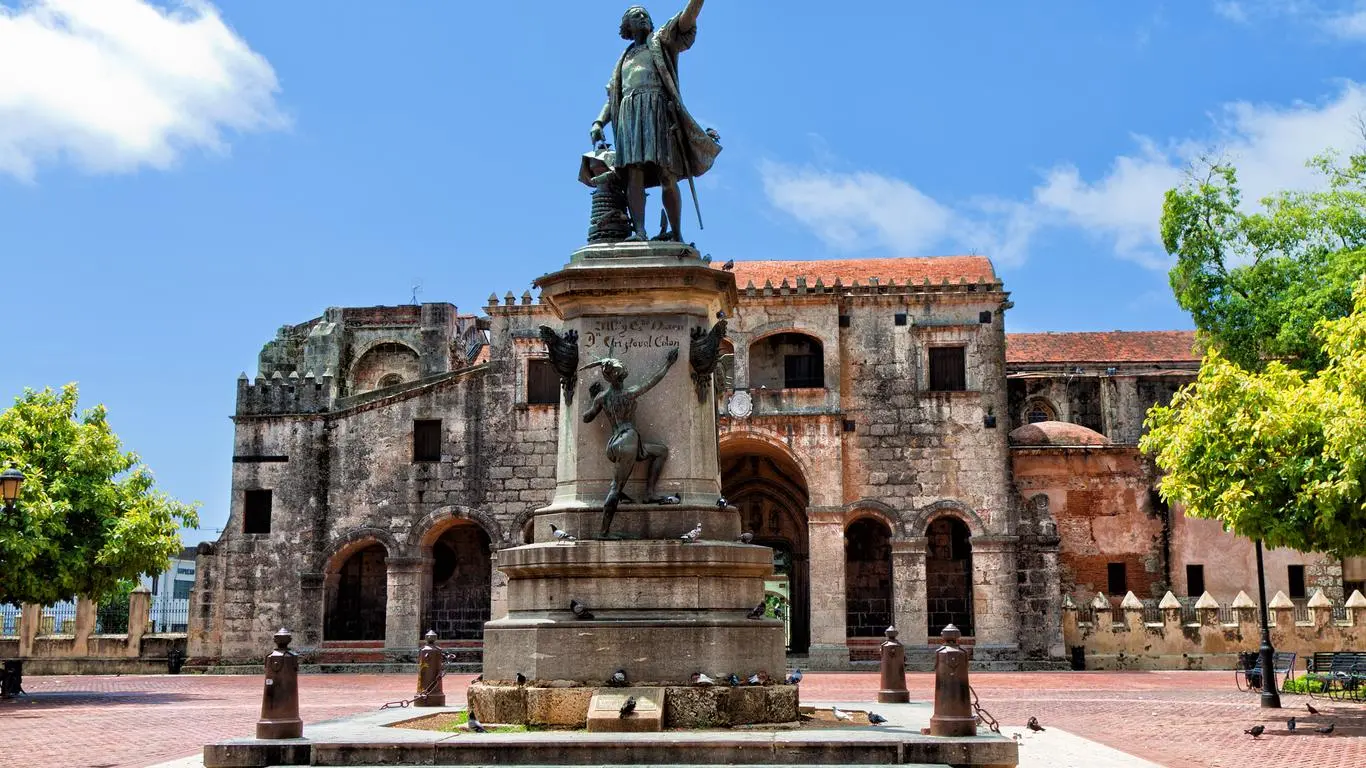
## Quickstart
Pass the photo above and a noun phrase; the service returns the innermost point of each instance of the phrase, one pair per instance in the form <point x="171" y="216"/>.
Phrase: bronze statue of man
<point x="658" y="142"/>
<point x="626" y="447"/>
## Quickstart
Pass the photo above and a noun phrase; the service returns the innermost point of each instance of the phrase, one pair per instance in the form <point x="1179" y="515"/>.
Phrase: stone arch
<point x="927" y="514"/>
<point x="436" y="522"/>
<point x="354" y="540"/>
<point x="868" y="575"/>
<point x="382" y="359"/>
<point x="518" y="527"/>
<point x="857" y="510"/>
<point x="772" y="329"/>
<point x="788" y="359"/>
<point x="736" y="438"/>
<point x="1039" y="406"/>
<point x="355" y="581"/>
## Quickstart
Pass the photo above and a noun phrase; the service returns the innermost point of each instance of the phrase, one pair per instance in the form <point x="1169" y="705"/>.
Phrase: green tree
<point x="1277" y="454"/>
<point x="1256" y="284"/>
<point x="89" y="515"/>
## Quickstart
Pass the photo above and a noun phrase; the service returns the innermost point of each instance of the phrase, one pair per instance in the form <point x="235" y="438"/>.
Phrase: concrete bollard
<point x="280" y="702"/>
<point x="952" y="698"/>
<point x="431" y="664"/>
<point x="893" y="670"/>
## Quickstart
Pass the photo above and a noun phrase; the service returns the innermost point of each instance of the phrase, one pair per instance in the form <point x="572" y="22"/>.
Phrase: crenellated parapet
<point x="281" y="394"/>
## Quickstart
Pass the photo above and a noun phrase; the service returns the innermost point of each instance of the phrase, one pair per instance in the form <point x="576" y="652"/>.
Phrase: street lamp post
<point x="11" y="671"/>
<point x="1271" y="699"/>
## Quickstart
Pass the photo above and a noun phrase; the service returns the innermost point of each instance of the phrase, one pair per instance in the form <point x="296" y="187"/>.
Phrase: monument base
<point x="678" y="706"/>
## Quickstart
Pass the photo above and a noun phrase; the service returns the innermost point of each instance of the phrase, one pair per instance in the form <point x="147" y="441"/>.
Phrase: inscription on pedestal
<point x="604" y="711"/>
<point x="611" y="336"/>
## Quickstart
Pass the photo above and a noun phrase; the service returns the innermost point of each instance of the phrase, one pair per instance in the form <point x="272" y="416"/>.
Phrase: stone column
<point x="311" y="609"/>
<point x="994" y="591"/>
<point x="85" y="625"/>
<point x="29" y="618"/>
<point x="825" y="534"/>
<point x="498" y="590"/>
<point x="403" y="609"/>
<point x="908" y="589"/>
<point x="139" y="616"/>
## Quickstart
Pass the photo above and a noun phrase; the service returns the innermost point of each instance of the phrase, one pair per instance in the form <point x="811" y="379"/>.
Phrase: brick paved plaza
<point x="1171" y="718"/>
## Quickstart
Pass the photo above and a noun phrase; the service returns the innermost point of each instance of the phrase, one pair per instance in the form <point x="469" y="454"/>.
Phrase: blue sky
<point x="178" y="180"/>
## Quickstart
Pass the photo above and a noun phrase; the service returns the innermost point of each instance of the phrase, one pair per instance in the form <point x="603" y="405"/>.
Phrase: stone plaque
<point x="604" y="711"/>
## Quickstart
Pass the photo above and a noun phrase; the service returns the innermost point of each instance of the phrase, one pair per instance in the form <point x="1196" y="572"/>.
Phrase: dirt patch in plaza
<point x="457" y="722"/>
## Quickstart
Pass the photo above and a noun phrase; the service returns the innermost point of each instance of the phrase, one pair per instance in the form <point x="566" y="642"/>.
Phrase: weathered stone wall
<point x="1119" y="639"/>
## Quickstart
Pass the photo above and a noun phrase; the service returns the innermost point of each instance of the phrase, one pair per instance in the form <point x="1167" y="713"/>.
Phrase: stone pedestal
<point x="659" y="608"/>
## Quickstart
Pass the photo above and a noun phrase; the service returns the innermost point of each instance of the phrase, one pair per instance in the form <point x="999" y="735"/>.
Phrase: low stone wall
<point x="1120" y="639"/>
<point x="81" y="652"/>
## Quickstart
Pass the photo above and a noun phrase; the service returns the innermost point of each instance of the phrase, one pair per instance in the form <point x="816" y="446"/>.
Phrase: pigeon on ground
<point x="476" y="726"/>
<point x="629" y="706"/>
<point x="758" y="678"/>
<point x="734" y="679"/>
<point x="876" y="719"/>
<point x="720" y="314"/>
<point x="560" y="535"/>
<point x="1033" y="724"/>
<point x="1290" y="724"/>
<point x="479" y="678"/>
<point x="618" y="678"/>
<point x="1256" y="730"/>
<point x="721" y="503"/>
<point x="521" y="679"/>
<point x="701" y="678"/>
<point x="840" y="715"/>
<point x="746" y="537"/>
<point x="670" y="499"/>
<point x="579" y="609"/>
<point x="1311" y="709"/>
<point x="693" y="535"/>
<point x="794" y="677"/>
<point x="757" y="612"/>
<point x="1327" y="729"/>
<point x="729" y="265"/>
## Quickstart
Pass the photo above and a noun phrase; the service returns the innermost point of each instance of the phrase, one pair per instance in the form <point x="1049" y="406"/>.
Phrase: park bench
<point x="1249" y="674"/>
<point x="1341" y="672"/>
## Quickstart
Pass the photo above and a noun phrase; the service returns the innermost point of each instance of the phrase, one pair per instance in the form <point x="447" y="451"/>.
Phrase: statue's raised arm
<point x="687" y="20"/>
<point x="658" y="376"/>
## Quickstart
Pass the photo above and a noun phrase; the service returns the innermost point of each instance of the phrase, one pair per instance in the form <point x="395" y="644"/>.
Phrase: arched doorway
<point x="769" y="489"/>
<point x="948" y="575"/>
<point x="461" y="583"/>
<point x="867" y="578"/>
<point x="358" y="594"/>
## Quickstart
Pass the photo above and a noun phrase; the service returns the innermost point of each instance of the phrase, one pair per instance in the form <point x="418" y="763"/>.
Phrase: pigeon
<point x="1290" y="724"/>
<point x="701" y="678"/>
<point x="734" y="679"/>
<point x="561" y="535"/>
<point x="521" y="679"/>
<point x="757" y="612"/>
<point x="692" y="535"/>
<point x="479" y="678"/>
<point x="1311" y="709"/>
<point x="794" y="677"/>
<point x="629" y="706"/>
<point x="720" y="314"/>
<point x="475" y="725"/>
<point x="876" y="719"/>
<point x="1033" y="724"/>
<point x="1257" y="730"/>
<point x="1327" y="729"/>
<point x="580" y="610"/>
<point x="840" y="715"/>
<point x="729" y="265"/>
<point x="721" y="502"/>
<point x="671" y="499"/>
<point x="758" y="678"/>
<point x="618" y="678"/>
<point x="746" y="537"/>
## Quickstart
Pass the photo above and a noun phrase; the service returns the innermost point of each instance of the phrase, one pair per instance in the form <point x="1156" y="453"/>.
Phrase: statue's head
<point x="636" y="23"/>
<point x="613" y="370"/>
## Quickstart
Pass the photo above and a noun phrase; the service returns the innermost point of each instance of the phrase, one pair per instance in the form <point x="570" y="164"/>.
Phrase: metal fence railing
<point x="9" y="621"/>
<point x="59" y="619"/>
<point x="112" y="618"/>
<point x="172" y="616"/>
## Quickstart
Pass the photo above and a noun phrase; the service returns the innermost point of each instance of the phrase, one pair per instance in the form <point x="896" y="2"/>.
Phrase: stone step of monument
<point x="698" y="765"/>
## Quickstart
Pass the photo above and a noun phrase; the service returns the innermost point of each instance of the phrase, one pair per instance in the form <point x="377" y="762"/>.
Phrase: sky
<point x="179" y="179"/>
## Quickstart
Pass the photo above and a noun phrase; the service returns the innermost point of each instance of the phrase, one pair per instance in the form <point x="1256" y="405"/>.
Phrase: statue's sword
<point x="687" y="168"/>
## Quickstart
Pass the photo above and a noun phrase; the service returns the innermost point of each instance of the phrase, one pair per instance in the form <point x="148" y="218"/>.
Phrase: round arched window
<point x="390" y="380"/>
<point x="1039" y="410"/>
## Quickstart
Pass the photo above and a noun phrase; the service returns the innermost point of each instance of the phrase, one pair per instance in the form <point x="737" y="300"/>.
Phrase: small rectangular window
<point x="849" y="425"/>
<point x="1195" y="580"/>
<point x="947" y="370"/>
<point x="542" y="383"/>
<point x="984" y="316"/>
<point x="1117" y="575"/>
<point x="427" y="440"/>
<point x="1295" y="575"/>
<point x="844" y="321"/>
<point x="899" y="318"/>
<point x="256" y="511"/>
<point x="181" y="590"/>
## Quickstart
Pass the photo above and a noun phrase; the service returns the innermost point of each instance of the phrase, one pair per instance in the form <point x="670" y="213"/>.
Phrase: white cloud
<point x="1231" y="10"/>
<point x="1348" y="25"/>
<point x="1121" y="207"/>
<point x="114" y="85"/>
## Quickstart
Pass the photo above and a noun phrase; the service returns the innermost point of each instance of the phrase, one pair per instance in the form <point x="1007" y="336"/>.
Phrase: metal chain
<point x="983" y="715"/>
<point x="422" y="694"/>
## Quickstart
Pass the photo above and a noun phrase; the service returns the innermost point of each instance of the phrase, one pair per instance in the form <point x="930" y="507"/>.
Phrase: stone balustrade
<point x="74" y="648"/>
<point x="1120" y="639"/>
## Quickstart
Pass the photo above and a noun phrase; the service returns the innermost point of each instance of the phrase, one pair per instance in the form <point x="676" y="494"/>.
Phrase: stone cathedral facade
<point x="908" y="462"/>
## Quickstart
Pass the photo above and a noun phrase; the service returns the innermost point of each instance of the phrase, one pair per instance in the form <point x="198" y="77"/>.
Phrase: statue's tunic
<point x="648" y="119"/>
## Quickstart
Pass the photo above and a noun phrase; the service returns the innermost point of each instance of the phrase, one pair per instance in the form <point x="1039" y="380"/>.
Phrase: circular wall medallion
<point x="740" y="405"/>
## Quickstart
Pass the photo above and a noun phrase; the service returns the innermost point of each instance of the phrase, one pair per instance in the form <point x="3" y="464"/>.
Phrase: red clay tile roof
<point x="902" y="270"/>
<point x="1056" y="433"/>
<point x="1101" y="347"/>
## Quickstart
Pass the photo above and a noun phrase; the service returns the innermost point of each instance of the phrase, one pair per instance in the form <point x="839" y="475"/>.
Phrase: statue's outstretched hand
<point x="673" y="356"/>
<point x="595" y="136"/>
<point x="594" y="389"/>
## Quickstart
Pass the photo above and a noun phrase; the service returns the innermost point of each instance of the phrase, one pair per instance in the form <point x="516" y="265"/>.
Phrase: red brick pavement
<point x="1179" y="719"/>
